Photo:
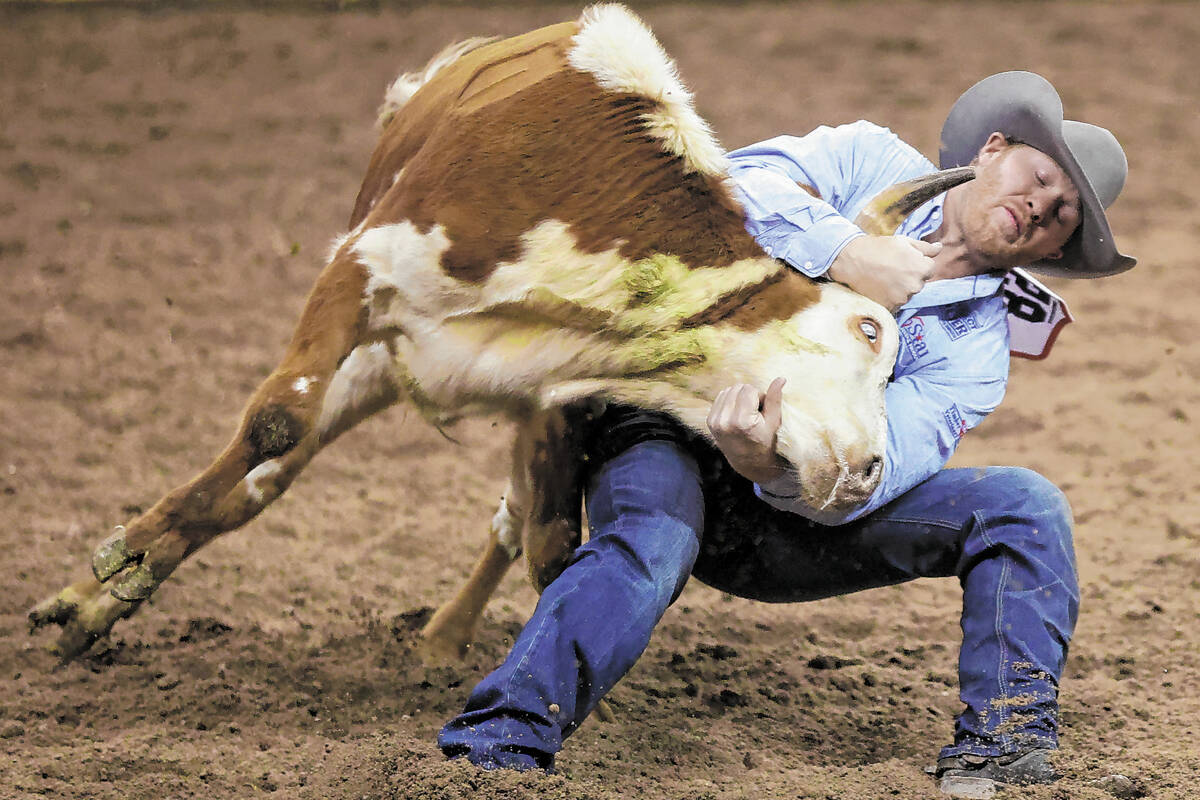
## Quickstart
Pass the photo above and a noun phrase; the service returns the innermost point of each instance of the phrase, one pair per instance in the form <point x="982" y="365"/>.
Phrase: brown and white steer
<point x="544" y="220"/>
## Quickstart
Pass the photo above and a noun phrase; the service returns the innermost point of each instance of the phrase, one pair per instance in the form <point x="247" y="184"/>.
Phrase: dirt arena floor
<point x="169" y="183"/>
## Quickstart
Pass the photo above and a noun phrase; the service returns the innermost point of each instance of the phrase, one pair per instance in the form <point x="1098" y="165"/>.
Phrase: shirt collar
<point x="956" y="290"/>
<point x="925" y="220"/>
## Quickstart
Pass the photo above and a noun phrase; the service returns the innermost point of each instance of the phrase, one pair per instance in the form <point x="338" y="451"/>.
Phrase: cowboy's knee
<point x="656" y="555"/>
<point x="1029" y="495"/>
<point x="1030" y="518"/>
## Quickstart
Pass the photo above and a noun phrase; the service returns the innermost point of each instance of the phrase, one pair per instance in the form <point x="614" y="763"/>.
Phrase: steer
<point x="545" y="221"/>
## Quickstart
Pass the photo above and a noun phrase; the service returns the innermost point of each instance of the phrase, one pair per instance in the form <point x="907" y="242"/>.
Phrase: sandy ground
<point x="169" y="183"/>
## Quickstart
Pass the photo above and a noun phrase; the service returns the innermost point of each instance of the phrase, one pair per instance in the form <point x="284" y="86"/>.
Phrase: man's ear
<point x="996" y="143"/>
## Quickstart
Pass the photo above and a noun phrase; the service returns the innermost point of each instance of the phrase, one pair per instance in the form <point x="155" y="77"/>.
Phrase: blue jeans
<point x="1004" y="532"/>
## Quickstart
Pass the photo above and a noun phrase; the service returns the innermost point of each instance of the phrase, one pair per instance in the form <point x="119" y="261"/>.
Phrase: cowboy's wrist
<point x="759" y="468"/>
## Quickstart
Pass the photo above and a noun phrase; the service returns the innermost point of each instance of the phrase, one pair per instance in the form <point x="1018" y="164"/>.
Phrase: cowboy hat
<point x="1025" y="107"/>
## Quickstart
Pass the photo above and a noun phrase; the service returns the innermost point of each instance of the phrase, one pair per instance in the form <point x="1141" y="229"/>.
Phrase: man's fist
<point x="744" y="423"/>
<point x="887" y="269"/>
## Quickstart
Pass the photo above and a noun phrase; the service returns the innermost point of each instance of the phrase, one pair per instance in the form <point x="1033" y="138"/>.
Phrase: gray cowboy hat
<point x="1025" y="107"/>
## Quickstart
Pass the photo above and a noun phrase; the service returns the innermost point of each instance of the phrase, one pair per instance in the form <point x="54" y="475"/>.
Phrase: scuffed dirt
<point x="169" y="183"/>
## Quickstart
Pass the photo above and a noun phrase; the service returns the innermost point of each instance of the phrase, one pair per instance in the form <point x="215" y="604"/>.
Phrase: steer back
<point x="547" y="218"/>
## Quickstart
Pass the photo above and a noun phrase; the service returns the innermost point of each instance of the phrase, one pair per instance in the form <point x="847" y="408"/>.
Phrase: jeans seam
<point x="1003" y="709"/>
<point x="537" y="636"/>
<point x="940" y="523"/>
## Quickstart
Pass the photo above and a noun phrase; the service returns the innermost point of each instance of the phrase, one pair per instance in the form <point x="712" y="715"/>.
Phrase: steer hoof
<point x="86" y="611"/>
<point x="63" y="607"/>
<point x="53" y="611"/>
<point x="441" y="651"/>
<point x="72" y="643"/>
<point x="92" y="620"/>
<point x="111" y="556"/>
<point x="138" y="584"/>
<point x="604" y="712"/>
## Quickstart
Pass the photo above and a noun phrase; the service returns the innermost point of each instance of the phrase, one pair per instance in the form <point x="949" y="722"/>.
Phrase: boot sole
<point x="961" y="786"/>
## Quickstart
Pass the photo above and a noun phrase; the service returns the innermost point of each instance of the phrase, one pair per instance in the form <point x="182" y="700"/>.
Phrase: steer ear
<point x="883" y="215"/>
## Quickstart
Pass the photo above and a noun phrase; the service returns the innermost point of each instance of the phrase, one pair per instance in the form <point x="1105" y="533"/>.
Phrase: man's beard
<point x="984" y="237"/>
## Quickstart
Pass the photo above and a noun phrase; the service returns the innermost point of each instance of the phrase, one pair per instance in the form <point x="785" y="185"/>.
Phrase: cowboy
<point x="662" y="507"/>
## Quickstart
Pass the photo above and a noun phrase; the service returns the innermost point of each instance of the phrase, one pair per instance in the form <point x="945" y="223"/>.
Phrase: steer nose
<point x="873" y="468"/>
<point x="856" y="482"/>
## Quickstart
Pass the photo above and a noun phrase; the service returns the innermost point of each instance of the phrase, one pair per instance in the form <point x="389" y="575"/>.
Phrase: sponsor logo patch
<point x="954" y="418"/>
<point x="912" y="341"/>
<point x="960" y="326"/>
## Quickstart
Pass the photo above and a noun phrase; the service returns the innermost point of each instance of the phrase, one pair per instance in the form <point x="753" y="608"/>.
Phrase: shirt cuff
<point x="784" y="488"/>
<point x="815" y="250"/>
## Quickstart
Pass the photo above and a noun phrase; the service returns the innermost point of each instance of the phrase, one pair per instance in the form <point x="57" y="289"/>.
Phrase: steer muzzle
<point x="838" y="479"/>
<point x="857" y="482"/>
<point x="848" y="488"/>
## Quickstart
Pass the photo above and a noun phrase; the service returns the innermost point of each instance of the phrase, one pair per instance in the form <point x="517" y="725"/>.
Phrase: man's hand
<point x="887" y="269"/>
<point x="744" y="422"/>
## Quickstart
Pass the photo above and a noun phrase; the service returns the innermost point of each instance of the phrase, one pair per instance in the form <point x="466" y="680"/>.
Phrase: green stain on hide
<point x="649" y="353"/>
<point x="793" y="341"/>
<point x="652" y="281"/>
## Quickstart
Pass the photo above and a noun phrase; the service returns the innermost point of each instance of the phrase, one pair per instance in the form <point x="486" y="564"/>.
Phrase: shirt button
<point x="808" y="265"/>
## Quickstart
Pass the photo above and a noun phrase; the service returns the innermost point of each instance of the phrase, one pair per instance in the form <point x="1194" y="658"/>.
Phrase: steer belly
<point x="554" y="313"/>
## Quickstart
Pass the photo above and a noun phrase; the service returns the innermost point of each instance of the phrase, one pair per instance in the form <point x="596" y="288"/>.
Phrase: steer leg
<point x="451" y="630"/>
<point x="553" y="466"/>
<point x="325" y="384"/>
<point x="534" y="516"/>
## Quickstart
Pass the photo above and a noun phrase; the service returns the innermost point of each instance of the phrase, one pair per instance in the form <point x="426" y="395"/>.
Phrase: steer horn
<point x="883" y="215"/>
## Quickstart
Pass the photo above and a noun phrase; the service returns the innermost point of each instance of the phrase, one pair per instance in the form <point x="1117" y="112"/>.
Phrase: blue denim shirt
<point x="952" y="366"/>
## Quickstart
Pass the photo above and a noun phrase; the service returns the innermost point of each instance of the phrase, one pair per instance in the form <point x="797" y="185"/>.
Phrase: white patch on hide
<point x="539" y="319"/>
<point x="551" y="261"/>
<point x="508" y="530"/>
<point x="620" y="51"/>
<point x="360" y="378"/>
<point x="338" y="242"/>
<point x="264" y="471"/>
<point x="405" y="281"/>
<point x="300" y="385"/>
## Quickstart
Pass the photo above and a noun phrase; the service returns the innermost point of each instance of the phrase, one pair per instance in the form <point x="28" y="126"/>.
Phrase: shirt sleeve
<point x="846" y="166"/>
<point x="929" y="409"/>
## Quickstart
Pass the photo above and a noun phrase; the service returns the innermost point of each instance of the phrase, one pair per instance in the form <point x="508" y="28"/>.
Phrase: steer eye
<point x="869" y="329"/>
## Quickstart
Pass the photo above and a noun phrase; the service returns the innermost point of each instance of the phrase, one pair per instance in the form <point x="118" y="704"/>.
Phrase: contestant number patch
<point x="1035" y="315"/>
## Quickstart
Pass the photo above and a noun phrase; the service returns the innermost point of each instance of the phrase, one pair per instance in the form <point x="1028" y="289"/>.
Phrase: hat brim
<point x="1025" y="106"/>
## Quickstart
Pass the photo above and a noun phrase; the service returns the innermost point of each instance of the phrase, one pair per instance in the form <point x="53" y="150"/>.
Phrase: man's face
<point x="1021" y="207"/>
